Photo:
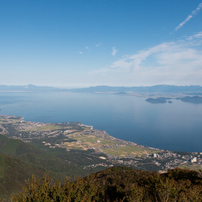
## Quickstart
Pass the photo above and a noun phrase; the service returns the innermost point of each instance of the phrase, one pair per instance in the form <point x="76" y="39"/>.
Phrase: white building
<point x="194" y="160"/>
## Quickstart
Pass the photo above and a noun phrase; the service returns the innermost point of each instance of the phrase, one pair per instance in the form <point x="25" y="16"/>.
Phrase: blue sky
<point x="80" y="43"/>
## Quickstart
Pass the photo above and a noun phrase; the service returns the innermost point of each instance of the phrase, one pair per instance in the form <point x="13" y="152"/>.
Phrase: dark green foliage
<point x="15" y="173"/>
<point x="49" y="161"/>
<point x="79" y="157"/>
<point x="19" y="161"/>
<point x="121" y="184"/>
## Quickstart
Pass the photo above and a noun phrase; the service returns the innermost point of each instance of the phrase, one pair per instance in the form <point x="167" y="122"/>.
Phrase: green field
<point x="49" y="128"/>
<point x="121" y="150"/>
<point x="10" y="120"/>
<point x="92" y="140"/>
<point x="191" y="167"/>
<point x="125" y="150"/>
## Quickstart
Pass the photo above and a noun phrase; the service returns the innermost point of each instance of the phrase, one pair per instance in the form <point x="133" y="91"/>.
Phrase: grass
<point x="126" y="150"/>
<point x="106" y="142"/>
<point x="91" y="141"/>
<point x="191" y="167"/>
<point x="87" y="141"/>
<point x="9" y="121"/>
<point x="49" y="128"/>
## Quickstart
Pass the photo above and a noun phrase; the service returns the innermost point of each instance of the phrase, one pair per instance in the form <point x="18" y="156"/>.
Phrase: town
<point x="110" y="150"/>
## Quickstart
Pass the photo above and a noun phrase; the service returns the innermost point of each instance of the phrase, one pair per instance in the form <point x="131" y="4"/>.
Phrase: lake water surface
<point x="176" y="126"/>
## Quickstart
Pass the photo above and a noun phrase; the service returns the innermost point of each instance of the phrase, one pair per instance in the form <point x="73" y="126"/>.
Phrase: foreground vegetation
<point x="121" y="184"/>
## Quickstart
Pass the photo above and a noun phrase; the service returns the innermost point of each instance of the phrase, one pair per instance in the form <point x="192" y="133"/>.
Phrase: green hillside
<point x="31" y="154"/>
<point x="19" y="161"/>
<point x="14" y="172"/>
<point x="56" y="160"/>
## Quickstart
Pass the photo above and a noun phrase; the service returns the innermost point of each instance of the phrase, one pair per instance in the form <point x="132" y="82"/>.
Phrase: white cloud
<point x="134" y="61"/>
<point x="182" y="23"/>
<point x="80" y="52"/>
<point x="122" y="63"/>
<point x="99" y="44"/>
<point x="114" y="51"/>
<point x="189" y="38"/>
<point x="178" y="63"/>
<point x="87" y="48"/>
<point x="194" y="12"/>
<point x="198" y="35"/>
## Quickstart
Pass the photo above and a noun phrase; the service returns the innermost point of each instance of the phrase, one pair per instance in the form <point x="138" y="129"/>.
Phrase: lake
<point x="176" y="126"/>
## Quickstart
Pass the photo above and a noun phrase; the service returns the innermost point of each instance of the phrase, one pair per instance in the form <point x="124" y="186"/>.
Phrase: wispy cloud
<point x="114" y="51"/>
<point x="133" y="61"/>
<point x="177" y="62"/>
<point x="194" y="12"/>
<point x="99" y="44"/>
<point x="123" y="63"/>
<point x="80" y="52"/>
<point x="87" y="48"/>
<point x="198" y="35"/>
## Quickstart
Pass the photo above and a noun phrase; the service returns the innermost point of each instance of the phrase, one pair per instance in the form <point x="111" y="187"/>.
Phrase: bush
<point x="118" y="184"/>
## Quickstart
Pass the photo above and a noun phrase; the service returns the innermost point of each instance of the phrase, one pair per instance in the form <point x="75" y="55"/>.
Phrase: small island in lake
<point x="158" y="100"/>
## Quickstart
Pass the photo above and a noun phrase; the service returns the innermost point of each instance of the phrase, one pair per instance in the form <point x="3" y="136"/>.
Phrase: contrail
<point x="194" y="12"/>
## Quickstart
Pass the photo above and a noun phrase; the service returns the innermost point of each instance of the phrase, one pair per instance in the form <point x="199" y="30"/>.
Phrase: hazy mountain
<point x="27" y="88"/>
<point x="105" y="89"/>
<point x="151" y="89"/>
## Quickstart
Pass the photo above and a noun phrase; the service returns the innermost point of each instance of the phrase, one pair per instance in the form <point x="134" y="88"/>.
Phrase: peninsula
<point x="74" y="136"/>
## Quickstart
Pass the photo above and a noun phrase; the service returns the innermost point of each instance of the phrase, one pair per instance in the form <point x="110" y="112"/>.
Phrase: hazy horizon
<point x="68" y="87"/>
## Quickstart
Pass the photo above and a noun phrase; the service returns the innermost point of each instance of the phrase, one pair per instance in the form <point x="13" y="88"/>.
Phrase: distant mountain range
<point x="27" y="88"/>
<point x="141" y="89"/>
<point x="106" y="89"/>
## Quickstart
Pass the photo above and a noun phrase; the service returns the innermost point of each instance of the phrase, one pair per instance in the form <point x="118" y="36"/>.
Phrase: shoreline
<point x="75" y="136"/>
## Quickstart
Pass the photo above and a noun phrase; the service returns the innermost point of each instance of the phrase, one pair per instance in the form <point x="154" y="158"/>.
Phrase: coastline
<point x="113" y="151"/>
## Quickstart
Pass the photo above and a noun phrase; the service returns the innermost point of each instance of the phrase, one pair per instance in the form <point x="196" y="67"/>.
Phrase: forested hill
<point x="19" y="161"/>
<point x="121" y="184"/>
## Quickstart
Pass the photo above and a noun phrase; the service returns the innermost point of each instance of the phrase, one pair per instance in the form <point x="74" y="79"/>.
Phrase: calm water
<point x="176" y="126"/>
